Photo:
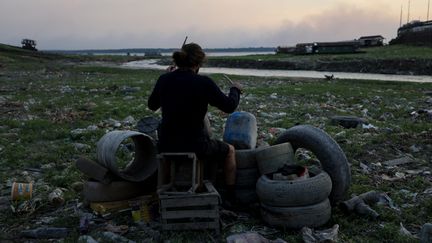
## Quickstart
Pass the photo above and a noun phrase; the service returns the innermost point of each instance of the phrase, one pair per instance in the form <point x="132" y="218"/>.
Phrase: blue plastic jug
<point x="241" y="130"/>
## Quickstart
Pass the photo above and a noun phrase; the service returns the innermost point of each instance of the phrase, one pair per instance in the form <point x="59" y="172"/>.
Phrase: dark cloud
<point x="344" y="22"/>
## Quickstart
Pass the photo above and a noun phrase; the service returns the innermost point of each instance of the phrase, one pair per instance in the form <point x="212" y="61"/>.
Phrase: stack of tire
<point x="252" y="163"/>
<point x="241" y="132"/>
<point x="295" y="203"/>
<point x="246" y="176"/>
<point x="307" y="202"/>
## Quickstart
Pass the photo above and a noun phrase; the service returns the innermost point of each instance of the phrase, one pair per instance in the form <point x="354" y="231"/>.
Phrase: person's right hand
<point x="238" y="86"/>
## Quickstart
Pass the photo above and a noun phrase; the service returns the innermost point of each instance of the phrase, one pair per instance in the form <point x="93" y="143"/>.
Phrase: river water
<point x="151" y="64"/>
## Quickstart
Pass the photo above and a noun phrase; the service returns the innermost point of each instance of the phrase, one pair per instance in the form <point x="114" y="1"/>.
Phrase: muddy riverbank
<point x="387" y="66"/>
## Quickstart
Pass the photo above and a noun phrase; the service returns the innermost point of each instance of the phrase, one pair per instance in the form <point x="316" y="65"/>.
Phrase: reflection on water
<point x="151" y="64"/>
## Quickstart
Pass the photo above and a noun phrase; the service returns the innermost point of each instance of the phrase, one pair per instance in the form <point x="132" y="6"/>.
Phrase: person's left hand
<point x="171" y="68"/>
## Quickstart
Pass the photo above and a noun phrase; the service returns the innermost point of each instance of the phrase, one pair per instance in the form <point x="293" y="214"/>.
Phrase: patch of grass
<point x="385" y="52"/>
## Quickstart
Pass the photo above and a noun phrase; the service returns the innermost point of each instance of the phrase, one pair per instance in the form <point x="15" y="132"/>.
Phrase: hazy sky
<point x="86" y="24"/>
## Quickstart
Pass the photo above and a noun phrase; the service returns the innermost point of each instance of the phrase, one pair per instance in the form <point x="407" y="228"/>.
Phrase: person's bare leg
<point x="230" y="167"/>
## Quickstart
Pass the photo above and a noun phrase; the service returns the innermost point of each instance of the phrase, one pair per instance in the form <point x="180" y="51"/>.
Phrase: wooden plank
<point x="189" y="202"/>
<point x="190" y="214"/>
<point x="163" y="194"/>
<point x="169" y="196"/>
<point x="191" y="226"/>
<point x="210" y="187"/>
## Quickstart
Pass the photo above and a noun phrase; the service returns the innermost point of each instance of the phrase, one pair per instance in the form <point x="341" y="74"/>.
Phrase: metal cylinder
<point x="145" y="162"/>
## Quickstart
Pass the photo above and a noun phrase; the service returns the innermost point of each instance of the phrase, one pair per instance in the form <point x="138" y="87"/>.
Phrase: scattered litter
<point x="316" y="236"/>
<point x="361" y="204"/>
<point x="80" y="147"/>
<point x="66" y="89"/>
<point x="386" y="116"/>
<point x="56" y="197"/>
<point x="113" y="237"/>
<point x="398" y="176"/>
<point x="426" y="233"/>
<point x="46" y="220"/>
<point x="365" y="168"/>
<point x="118" y="229"/>
<point x="130" y="120"/>
<point x="21" y="191"/>
<point x="251" y="237"/>
<point x="414" y="149"/>
<point x="45" y="233"/>
<point x="274" y="96"/>
<point x="86" y="239"/>
<point x="264" y="230"/>
<point x="426" y="114"/>
<point x="80" y="131"/>
<point x="84" y="224"/>
<point x="149" y="126"/>
<point x="404" y="231"/>
<point x="347" y="121"/>
<point x="26" y="207"/>
<point x="399" y="161"/>
<point x="369" y="126"/>
<point x="428" y="191"/>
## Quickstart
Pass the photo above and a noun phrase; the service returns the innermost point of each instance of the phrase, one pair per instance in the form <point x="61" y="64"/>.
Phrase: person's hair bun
<point x="190" y="55"/>
<point x="180" y="58"/>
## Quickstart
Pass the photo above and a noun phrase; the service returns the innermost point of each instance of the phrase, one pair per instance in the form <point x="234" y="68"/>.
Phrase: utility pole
<point x="408" y="14"/>
<point x="427" y="18"/>
<point x="400" y="18"/>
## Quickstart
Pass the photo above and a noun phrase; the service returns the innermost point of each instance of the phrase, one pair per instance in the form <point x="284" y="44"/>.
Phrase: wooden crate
<point x="182" y="171"/>
<point x="190" y="211"/>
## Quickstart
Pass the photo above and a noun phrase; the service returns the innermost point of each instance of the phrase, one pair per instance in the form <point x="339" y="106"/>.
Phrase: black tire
<point x="246" y="178"/>
<point x="245" y="158"/>
<point x="270" y="159"/>
<point x="330" y="155"/>
<point x="314" y="215"/>
<point x="294" y="192"/>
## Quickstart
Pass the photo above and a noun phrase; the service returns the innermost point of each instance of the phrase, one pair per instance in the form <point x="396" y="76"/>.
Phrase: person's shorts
<point x="208" y="150"/>
<point x="213" y="150"/>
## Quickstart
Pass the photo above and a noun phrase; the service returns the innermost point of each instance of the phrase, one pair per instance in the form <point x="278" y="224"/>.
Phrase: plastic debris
<point x="149" y="126"/>
<point x="347" y="121"/>
<point x="118" y="229"/>
<point x="399" y="161"/>
<point x="369" y="126"/>
<point x="251" y="237"/>
<point x="404" y="231"/>
<point x="365" y="168"/>
<point x="113" y="237"/>
<point x="56" y="197"/>
<point x="426" y="233"/>
<point x="86" y="239"/>
<point x="361" y="204"/>
<point x="45" y="233"/>
<point x="315" y="236"/>
<point x="84" y="224"/>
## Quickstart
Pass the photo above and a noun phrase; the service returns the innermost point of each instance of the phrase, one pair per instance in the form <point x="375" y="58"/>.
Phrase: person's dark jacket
<point x="184" y="96"/>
